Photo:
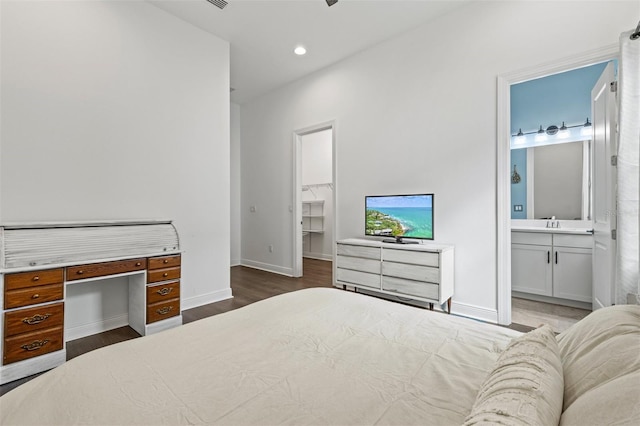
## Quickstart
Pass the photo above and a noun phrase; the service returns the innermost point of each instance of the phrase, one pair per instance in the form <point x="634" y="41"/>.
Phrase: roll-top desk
<point x="422" y="272"/>
<point x="39" y="261"/>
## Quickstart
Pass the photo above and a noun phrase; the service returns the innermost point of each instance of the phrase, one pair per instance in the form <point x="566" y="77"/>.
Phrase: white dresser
<point x="422" y="272"/>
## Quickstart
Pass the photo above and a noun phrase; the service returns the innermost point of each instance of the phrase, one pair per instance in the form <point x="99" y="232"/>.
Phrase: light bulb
<point x="541" y="136"/>
<point x="563" y="132"/>
<point x="300" y="50"/>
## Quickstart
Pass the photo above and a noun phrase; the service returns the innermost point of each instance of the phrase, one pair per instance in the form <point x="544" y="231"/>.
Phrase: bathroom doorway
<point x="514" y="205"/>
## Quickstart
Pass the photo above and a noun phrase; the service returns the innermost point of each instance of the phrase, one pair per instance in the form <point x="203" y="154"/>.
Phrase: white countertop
<point x="582" y="231"/>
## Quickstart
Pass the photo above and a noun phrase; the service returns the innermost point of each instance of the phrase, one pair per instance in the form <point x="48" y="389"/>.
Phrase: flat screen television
<point x="399" y="217"/>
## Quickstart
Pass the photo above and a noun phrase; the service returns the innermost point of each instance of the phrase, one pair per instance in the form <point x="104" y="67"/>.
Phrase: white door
<point x="603" y="111"/>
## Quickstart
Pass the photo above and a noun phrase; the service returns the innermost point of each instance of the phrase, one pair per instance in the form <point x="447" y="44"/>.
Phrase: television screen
<point x="399" y="216"/>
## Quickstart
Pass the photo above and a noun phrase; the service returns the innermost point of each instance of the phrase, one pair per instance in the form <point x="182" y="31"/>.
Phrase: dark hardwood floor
<point x="248" y="285"/>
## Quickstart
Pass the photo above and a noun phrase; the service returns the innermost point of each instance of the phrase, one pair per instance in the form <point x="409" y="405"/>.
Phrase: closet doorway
<point x="314" y="194"/>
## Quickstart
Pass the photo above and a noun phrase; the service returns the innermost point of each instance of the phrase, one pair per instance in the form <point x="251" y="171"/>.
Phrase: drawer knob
<point x="35" y="296"/>
<point x="164" y="291"/>
<point x="80" y="272"/>
<point x="34" y="346"/>
<point x="36" y="278"/>
<point x="164" y="310"/>
<point x="166" y="261"/>
<point x="36" y="319"/>
<point x="138" y="264"/>
<point x="165" y="274"/>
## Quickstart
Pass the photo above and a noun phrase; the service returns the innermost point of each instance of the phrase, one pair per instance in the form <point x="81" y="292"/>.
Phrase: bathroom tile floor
<point x="534" y="314"/>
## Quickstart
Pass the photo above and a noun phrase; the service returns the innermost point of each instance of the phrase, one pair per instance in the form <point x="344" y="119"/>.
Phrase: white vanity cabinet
<point x="555" y="265"/>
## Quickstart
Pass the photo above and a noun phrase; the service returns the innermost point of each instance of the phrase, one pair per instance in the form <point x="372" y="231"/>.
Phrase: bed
<point x="326" y="356"/>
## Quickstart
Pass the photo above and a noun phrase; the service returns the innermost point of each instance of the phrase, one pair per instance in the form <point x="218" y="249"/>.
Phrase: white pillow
<point x="599" y="348"/>
<point x="525" y="386"/>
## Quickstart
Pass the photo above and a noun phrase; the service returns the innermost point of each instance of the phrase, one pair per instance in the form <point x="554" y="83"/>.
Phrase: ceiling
<point x="263" y="33"/>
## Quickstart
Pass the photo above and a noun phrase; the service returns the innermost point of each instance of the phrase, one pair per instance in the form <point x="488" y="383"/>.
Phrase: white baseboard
<point x="85" y="330"/>
<point x="267" y="267"/>
<point x="457" y="308"/>
<point x="205" y="299"/>
<point x="318" y="256"/>
<point x="475" y="312"/>
<point x="236" y="262"/>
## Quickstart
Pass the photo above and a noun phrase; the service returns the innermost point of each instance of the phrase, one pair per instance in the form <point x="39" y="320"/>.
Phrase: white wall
<point x="236" y="233"/>
<point x="416" y="114"/>
<point x="118" y="110"/>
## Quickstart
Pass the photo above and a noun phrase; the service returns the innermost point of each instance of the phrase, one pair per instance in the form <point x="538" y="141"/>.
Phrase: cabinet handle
<point x="548" y="256"/>
<point x="138" y="264"/>
<point x="164" y="291"/>
<point x="80" y="272"/>
<point x="166" y="261"/>
<point x="36" y="278"/>
<point x="38" y="344"/>
<point x="165" y="310"/>
<point x="556" y="258"/>
<point x="36" y="319"/>
<point x="165" y="274"/>
<point x="35" y="296"/>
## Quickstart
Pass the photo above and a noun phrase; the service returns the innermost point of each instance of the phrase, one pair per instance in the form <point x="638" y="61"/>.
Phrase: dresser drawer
<point x="424" y="258"/>
<point x="167" y="274"/>
<point x="359" y="251"/>
<point x="105" y="268"/>
<point x="346" y="276"/>
<point x="414" y="288"/>
<point x="358" y="264"/>
<point x="29" y="345"/>
<point x="32" y="319"/>
<point x="163" y="310"/>
<point x="164" y="262"/>
<point x="161" y="292"/>
<point x="33" y="295"/>
<point x="411" y="272"/>
<point x="32" y="279"/>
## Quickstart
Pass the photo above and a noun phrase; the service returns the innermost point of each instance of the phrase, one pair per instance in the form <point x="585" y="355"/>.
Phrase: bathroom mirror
<point x="551" y="181"/>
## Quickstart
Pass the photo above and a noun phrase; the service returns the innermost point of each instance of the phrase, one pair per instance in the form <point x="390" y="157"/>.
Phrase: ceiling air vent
<point x="220" y="3"/>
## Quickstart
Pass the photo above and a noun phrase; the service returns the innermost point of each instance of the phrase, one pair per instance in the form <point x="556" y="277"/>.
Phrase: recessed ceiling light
<point x="300" y="50"/>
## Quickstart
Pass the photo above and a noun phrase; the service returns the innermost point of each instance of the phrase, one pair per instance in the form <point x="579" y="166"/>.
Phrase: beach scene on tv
<point x="408" y="216"/>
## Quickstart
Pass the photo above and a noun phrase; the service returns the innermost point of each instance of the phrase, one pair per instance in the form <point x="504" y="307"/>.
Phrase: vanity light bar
<point x="562" y="132"/>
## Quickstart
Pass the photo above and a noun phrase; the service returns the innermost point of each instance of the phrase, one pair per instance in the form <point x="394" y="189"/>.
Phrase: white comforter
<point x="316" y="356"/>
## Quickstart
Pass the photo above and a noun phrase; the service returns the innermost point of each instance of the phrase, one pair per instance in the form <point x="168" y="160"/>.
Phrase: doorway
<point x="504" y="171"/>
<point x="314" y="194"/>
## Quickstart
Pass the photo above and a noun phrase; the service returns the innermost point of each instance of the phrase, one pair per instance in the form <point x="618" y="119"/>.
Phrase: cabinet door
<point x="531" y="270"/>
<point x="572" y="277"/>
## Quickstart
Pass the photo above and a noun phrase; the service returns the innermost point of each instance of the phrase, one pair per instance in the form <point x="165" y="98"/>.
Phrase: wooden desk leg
<point x="431" y="306"/>
<point x="344" y="286"/>
<point x="449" y="306"/>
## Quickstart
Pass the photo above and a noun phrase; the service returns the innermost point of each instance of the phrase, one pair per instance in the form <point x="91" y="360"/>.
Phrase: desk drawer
<point x="33" y="279"/>
<point x="29" y="345"/>
<point x="32" y="319"/>
<point x="164" y="262"/>
<point x="167" y="274"/>
<point x="161" y="292"/>
<point x="92" y="270"/>
<point x="163" y="310"/>
<point x="33" y="295"/>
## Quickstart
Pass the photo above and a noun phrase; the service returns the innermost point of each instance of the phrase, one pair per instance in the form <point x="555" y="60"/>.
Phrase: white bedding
<point x="316" y="356"/>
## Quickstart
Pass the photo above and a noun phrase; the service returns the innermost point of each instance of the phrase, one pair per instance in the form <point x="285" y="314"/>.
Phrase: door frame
<point x="503" y="183"/>
<point x="297" y="190"/>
